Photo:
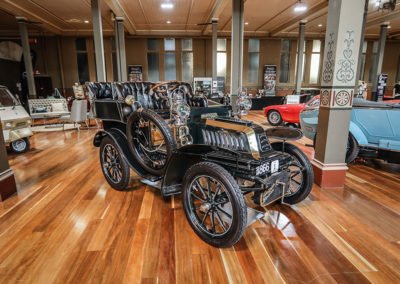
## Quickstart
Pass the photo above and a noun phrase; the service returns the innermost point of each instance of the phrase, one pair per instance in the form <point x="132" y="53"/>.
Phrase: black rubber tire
<point x="168" y="136"/>
<point x="308" y="173"/>
<point x="123" y="183"/>
<point x="27" y="147"/>
<point x="239" y="208"/>
<point x="353" y="150"/>
<point x="272" y="112"/>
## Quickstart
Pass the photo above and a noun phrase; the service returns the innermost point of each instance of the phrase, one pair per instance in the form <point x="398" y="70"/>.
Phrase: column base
<point x="329" y="175"/>
<point x="7" y="184"/>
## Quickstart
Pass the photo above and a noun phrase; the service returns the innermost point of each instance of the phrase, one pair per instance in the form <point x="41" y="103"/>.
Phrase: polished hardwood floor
<point x="66" y="225"/>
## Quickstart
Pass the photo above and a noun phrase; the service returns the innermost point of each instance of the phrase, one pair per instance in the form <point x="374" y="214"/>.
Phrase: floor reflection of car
<point x="15" y="122"/>
<point x="289" y="113"/>
<point x="374" y="129"/>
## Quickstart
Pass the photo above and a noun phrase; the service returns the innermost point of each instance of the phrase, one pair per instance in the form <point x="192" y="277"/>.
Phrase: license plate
<point x="268" y="167"/>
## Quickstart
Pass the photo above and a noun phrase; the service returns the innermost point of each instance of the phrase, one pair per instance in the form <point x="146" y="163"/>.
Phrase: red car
<point x="276" y="114"/>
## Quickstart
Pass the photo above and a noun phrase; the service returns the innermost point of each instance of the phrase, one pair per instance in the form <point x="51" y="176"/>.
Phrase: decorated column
<point x="338" y="79"/>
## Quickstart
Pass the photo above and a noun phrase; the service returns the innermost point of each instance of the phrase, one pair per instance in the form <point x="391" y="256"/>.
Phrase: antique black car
<point x="181" y="143"/>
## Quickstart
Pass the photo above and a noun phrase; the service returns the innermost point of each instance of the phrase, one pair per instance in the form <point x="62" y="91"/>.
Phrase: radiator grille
<point x="264" y="144"/>
<point x="19" y="124"/>
<point x="223" y="139"/>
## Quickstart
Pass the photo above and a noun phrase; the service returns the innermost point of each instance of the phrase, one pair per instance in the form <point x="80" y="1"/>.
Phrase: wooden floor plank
<point x="67" y="225"/>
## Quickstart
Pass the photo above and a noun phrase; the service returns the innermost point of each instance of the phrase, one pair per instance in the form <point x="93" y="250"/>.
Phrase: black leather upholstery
<point x="142" y="93"/>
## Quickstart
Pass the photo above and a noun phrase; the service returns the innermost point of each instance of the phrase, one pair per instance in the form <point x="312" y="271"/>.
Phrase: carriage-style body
<point x="211" y="157"/>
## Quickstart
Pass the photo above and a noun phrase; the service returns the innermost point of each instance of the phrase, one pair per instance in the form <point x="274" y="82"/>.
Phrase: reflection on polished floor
<point x="67" y="225"/>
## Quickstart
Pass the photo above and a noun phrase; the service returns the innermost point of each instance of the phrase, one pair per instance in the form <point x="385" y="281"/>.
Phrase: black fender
<point x="121" y="141"/>
<point x="182" y="160"/>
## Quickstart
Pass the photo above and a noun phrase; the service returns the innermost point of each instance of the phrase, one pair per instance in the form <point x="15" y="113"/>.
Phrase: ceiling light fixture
<point x="167" y="5"/>
<point x="168" y="22"/>
<point x="246" y="23"/>
<point x="86" y="21"/>
<point x="389" y="27"/>
<point x="319" y="25"/>
<point x="300" y="7"/>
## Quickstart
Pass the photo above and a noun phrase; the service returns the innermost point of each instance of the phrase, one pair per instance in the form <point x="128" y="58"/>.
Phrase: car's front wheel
<point x="20" y="145"/>
<point x="214" y="204"/>
<point x="301" y="173"/>
<point x="274" y="118"/>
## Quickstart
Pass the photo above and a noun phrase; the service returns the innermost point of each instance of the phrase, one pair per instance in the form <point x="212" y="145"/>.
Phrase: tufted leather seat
<point x="101" y="90"/>
<point x="141" y="91"/>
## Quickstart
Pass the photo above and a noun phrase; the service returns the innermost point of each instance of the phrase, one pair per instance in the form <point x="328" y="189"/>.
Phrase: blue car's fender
<point x="358" y="134"/>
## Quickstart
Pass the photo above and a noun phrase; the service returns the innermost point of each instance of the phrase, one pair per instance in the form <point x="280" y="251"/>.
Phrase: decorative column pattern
<point x="120" y="48"/>
<point x="214" y="48"/>
<point x="377" y="70"/>
<point x="338" y="79"/>
<point x="300" y="61"/>
<point x="27" y="57"/>
<point x="237" y="51"/>
<point x="98" y="41"/>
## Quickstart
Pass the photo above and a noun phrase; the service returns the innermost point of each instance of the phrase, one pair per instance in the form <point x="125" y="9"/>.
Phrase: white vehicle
<point x="15" y="121"/>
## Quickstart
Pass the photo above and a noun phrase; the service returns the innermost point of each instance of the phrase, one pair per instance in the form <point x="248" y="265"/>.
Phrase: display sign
<point x="221" y="84"/>
<point x="269" y="79"/>
<point x="381" y="86"/>
<point x="135" y="73"/>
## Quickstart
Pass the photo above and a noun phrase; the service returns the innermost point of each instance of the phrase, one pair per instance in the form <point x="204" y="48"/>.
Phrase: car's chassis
<point x="225" y="159"/>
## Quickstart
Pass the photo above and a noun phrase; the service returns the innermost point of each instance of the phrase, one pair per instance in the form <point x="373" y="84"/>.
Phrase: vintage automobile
<point x="15" y="122"/>
<point x="374" y="129"/>
<point x="201" y="151"/>
<point x="288" y="113"/>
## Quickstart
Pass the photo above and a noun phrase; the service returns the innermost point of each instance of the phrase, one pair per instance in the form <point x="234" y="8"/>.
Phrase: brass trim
<point x="249" y="131"/>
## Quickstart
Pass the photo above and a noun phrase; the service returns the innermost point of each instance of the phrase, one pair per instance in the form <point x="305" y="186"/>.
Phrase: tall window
<point x="82" y="60"/>
<point x="152" y="60"/>
<point x="374" y="58"/>
<point x="284" y="74"/>
<point x="304" y="61"/>
<point x="363" y="57"/>
<point x="253" y="61"/>
<point x="187" y="60"/>
<point x="221" y="57"/>
<point x="169" y="59"/>
<point x="315" y="62"/>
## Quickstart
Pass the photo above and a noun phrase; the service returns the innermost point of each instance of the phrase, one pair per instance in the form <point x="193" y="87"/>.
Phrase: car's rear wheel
<point x="20" y="145"/>
<point x="352" y="149"/>
<point x="214" y="204"/>
<point x="274" y="118"/>
<point x="115" y="168"/>
<point x="301" y="173"/>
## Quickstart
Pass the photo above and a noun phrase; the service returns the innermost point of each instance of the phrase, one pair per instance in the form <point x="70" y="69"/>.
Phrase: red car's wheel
<point x="274" y="117"/>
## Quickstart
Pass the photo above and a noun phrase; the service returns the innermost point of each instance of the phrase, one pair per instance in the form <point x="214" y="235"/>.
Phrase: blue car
<point x="374" y="129"/>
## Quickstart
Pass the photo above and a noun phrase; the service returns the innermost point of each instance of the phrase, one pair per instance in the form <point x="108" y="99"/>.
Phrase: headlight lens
<point x="29" y="121"/>
<point x="8" y="125"/>
<point x="181" y="109"/>
<point x="244" y="103"/>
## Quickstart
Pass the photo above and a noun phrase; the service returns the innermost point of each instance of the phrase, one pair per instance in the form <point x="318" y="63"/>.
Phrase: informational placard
<point x="382" y="78"/>
<point x="221" y="84"/>
<point x="135" y="73"/>
<point x="269" y="79"/>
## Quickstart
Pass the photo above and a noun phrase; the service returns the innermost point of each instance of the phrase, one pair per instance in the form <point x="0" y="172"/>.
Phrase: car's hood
<point x="8" y="113"/>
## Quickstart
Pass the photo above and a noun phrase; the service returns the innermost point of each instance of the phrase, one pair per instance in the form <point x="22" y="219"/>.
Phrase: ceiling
<point x="264" y="18"/>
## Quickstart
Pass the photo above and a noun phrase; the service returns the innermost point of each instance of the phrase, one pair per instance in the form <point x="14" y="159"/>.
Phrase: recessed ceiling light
<point x="167" y="5"/>
<point x="86" y="21"/>
<point x="389" y="27"/>
<point x="246" y="23"/>
<point x="319" y="25"/>
<point x="168" y="22"/>
<point x="300" y="7"/>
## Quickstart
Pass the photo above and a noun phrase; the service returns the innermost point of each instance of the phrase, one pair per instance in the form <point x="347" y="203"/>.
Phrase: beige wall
<point x="136" y="53"/>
